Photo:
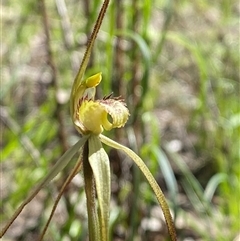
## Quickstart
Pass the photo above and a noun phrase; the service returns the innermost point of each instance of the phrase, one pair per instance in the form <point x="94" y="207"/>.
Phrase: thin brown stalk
<point x="86" y="5"/>
<point x="92" y="39"/>
<point x="65" y="23"/>
<point x="118" y="84"/>
<point x="119" y="87"/>
<point x="73" y="173"/>
<point x="136" y="66"/>
<point x="59" y="112"/>
<point x="136" y="74"/>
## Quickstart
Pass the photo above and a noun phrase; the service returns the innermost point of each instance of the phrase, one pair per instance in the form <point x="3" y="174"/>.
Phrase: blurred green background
<point x="176" y="63"/>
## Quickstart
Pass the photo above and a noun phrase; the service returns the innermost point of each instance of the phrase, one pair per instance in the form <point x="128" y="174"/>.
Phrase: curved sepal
<point x="157" y="190"/>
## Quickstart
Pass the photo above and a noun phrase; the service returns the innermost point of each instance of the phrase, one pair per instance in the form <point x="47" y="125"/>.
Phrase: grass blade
<point x="213" y="184"/>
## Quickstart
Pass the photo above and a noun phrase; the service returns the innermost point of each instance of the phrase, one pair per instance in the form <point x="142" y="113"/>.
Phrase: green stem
<point x="168" y="17"/>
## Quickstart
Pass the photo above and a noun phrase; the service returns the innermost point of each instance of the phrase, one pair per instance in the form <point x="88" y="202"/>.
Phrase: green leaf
<point x="61" y="163"/>
<point x="93" y="219"/>
<point x="191" y="185"/>
<point x="146" y="57"/>
<point x="166" y="171"/>
<point x="157" y="190"/>
<point x="212" y="185"/>
<point x="100" y="165"/>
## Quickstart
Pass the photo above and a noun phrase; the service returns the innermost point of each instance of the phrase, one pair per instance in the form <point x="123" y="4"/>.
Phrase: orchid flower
<point x="90" y="118"/>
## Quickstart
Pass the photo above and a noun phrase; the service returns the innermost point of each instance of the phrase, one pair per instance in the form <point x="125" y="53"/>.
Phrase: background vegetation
<point x="177" y="65"/>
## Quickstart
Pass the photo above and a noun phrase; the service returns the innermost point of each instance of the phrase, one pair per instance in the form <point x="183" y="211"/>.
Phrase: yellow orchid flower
<point x="90" y="118"/>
